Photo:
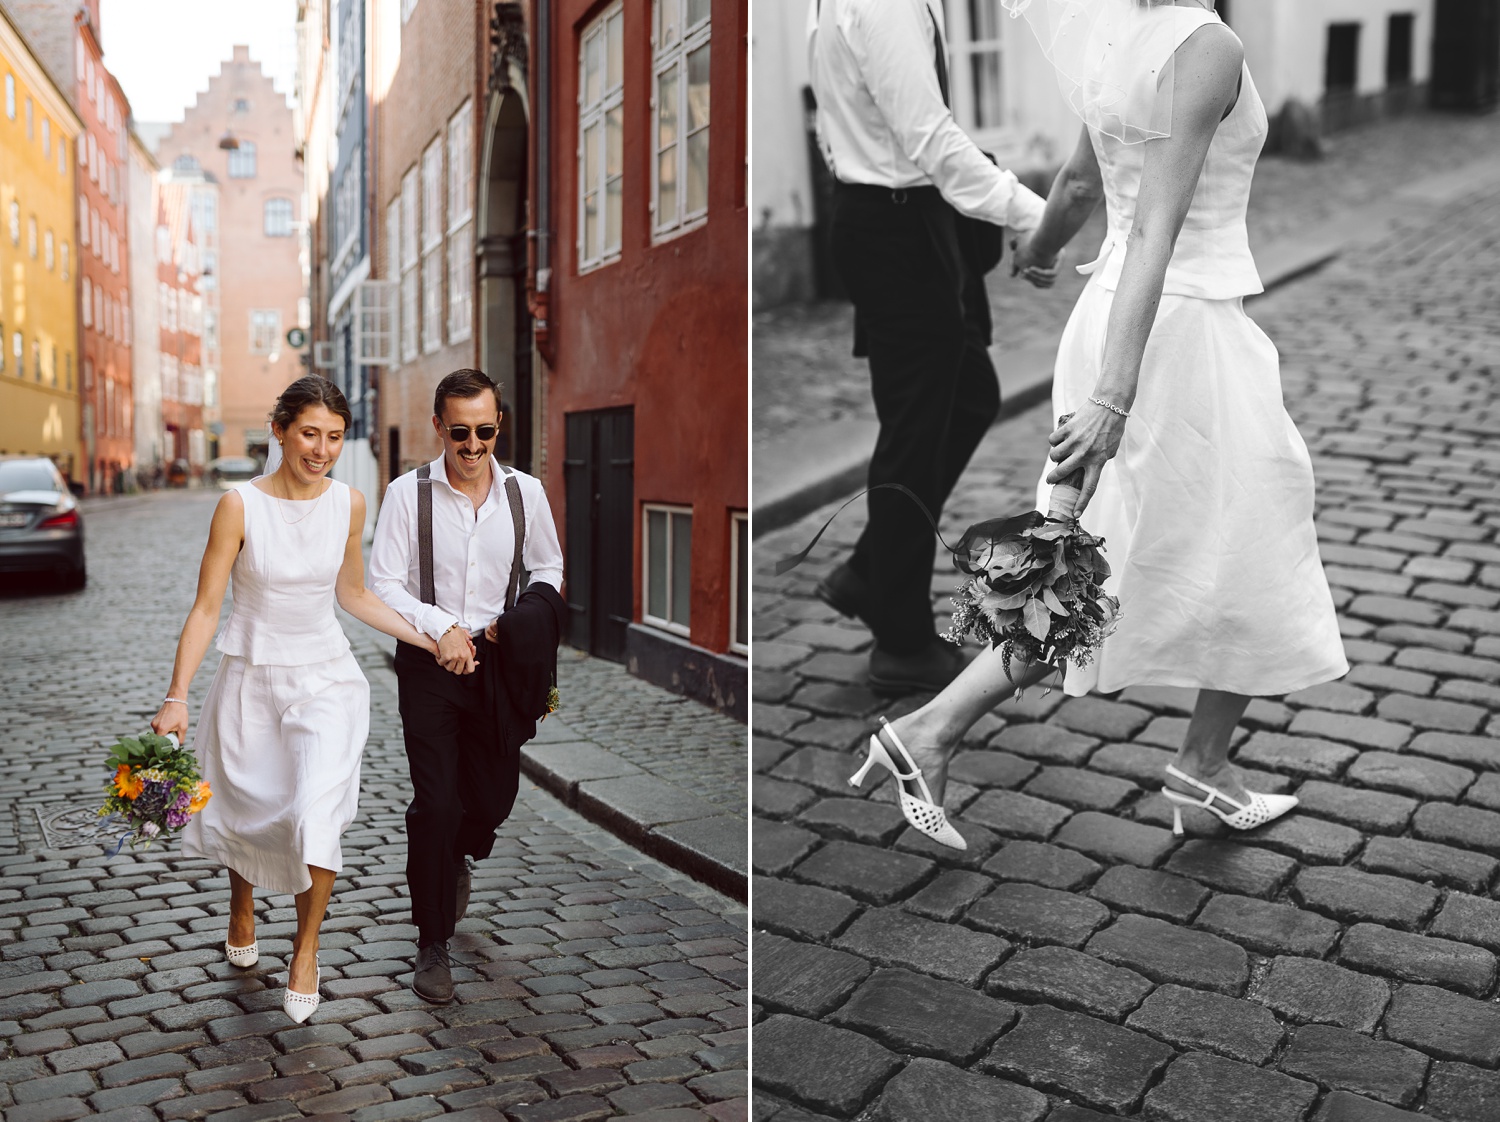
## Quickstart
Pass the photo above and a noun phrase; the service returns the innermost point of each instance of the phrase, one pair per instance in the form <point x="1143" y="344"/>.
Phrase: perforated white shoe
<point x="922" y="813"/>
<point x="300" y="1006"/>
<point x="1261" y="808"/>
<point x="243" y="957"/>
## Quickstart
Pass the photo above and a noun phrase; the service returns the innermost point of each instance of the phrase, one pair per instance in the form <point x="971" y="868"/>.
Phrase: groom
<point x="451" y="545"/>
<point x="914" y="200"/>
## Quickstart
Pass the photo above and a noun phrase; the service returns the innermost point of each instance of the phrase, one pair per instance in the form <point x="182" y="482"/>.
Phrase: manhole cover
<point x="77" y="824"/>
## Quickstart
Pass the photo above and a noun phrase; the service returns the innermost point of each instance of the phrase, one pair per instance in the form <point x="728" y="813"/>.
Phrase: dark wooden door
<point x="599" y="472"/>
<point x="1466" y="54"/>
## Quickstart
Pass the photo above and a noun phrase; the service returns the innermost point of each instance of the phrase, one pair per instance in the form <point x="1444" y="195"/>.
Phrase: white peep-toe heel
<point x="922" y="813"/>
<point x="1261" y="808"/>
<point x="243" y="957"/>
<point x="300" y="1006"/>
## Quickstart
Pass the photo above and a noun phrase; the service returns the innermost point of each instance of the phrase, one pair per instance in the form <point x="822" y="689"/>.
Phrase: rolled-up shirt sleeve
<point x="390" y="562"/>
<point x="541" y="553"/>
<point x="894" y="48"/>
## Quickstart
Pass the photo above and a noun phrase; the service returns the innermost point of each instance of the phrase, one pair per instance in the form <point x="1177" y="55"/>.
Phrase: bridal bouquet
<point x="156" y="788"/>
<point x="1036" y="586"/>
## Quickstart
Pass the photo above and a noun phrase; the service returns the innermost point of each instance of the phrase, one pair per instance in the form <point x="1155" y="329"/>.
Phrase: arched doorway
<point x="505" y="321"/>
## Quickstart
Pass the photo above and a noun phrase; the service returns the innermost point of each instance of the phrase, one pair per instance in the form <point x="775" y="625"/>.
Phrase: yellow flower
<point x="199" y="798"/>
<point x="126" y="784"/>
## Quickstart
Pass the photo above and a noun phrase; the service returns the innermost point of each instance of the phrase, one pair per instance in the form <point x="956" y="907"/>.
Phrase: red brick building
<point x="67" y="37"/>
<point x="639" y="281"/>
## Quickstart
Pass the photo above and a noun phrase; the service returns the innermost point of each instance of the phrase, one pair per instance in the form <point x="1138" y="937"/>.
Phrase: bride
<point x="1193" y="473"/>
<point x="284" y="721"/>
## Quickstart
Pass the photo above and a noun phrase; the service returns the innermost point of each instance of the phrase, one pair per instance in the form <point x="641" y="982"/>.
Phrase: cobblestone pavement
<point x="1363" y="165"/>
<point x="1079" y="962"/>
<point x="704" y="753"/>
<point x="593" y="982"/>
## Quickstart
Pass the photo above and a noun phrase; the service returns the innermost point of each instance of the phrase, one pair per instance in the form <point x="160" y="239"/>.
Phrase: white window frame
<point x="265" y="332"/>
<point x="664" y="623"/>
<point x="410" y="312"/>
<point x="374" y="324"/>
<point x="669" y="55"/>
<point x="597" y="115"/>
<point x="461" y="224"/>
<point x="283" y="225"/>
<point x="49" y="250"/>
<point x="46" y="138"/>
<point x="87" y="303"/>
<point x="432" y="246"/>
<point x="738" y="571"/>
<point x="65" y="255"/>
<point x="10" y="96"/>
<point x="393" y="269"/>
<point x="237" y="161"/>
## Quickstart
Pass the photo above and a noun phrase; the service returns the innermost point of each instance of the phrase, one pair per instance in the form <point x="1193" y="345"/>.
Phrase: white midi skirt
<point x="280" y="747"/>
<point x="1206" y="510"/>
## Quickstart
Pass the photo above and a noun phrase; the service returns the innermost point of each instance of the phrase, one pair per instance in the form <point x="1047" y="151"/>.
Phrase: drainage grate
<point x="70" y="824"/>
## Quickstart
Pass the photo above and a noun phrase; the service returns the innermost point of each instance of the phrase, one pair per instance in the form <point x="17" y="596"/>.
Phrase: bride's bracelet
<point x="1111" y="408"/>
<point x="179" y="700"/>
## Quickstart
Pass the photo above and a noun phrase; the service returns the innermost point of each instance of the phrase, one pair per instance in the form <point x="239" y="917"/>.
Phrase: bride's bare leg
<point x="241" y="911"/>
<point x="932" y="733"/>
<point x="1205" y="750"/>
<point x="310" y="908"/>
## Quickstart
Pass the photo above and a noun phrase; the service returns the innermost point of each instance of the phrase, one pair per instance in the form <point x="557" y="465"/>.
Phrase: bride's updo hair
<point x="307" y="391"/>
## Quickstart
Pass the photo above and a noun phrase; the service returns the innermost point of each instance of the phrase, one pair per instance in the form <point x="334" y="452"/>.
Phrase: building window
<point x="278" y="218"/>
<point x="601" y="122"/>
<point x="667" y="546"/>
<point x="739" y="582"/>
<point x="68" y="370"/>
<point x="30" y="121"/>
<point x="265" y="331"/>
<point x="432" y="247"/>
<point x="1341" y="64"/>
<point x="460" y="224"/>
<point x="1398" y="43"/>
<point x="409" y="315"/>
<point x="392" y="270"/>
<point x="10" y="96"/>
<point x="31" y="242"/>
<point x="62" y="155"/>
<point x="680" y="48"/>
<point x="66" y="271"/>
<point x="241" y="105"/>
<point x="46" y="138"/>
<point x="83" y="220"/>
<point x="48" y="251"/>
<point x="15" y="222"/>
<point x="242" y="161"/>
<point x="87" y="304"/>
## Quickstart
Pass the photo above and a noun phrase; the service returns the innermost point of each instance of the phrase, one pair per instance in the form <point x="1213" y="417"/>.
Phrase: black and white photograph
<point x="1127" y="600"/>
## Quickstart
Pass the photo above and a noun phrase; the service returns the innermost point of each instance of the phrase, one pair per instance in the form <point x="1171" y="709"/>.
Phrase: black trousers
<point x="463" y="783"/>
<point x="922" y="319"/>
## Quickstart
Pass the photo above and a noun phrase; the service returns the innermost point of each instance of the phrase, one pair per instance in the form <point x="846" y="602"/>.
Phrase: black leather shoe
<point x="433" y="980"/>
<point x="846" y="592"/>
<point x="925" y="671"/>
<point x="461" y="895"/>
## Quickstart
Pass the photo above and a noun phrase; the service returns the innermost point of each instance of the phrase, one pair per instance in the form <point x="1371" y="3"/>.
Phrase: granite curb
<point x="810" y="467"/>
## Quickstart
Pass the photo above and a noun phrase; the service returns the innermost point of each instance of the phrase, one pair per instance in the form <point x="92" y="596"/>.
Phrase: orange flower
<point x="127" y="784"/>
<point x="199" y="798"/>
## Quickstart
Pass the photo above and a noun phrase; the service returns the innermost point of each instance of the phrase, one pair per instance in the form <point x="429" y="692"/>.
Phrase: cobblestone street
<point x="592" y="981"/>
<point x="1078" y="961"/>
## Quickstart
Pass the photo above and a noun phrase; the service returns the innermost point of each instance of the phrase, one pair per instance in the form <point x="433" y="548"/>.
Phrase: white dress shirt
<point x="471" y="550"/>
<point x="881" y="118"/>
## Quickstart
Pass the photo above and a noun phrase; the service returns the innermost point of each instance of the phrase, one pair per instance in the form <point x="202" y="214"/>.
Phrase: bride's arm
<point x="1208" y="68"/>
<point x="1075" y="194"/>
<point x="358" y="600"/>
<point x="225" y="536"/>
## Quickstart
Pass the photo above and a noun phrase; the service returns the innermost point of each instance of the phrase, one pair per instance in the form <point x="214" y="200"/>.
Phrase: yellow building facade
<point x="39" y="374"/>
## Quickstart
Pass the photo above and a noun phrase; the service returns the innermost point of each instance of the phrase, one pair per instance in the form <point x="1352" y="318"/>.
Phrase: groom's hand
<point x="456" y="652"/>
<point x="1038" y="271"/>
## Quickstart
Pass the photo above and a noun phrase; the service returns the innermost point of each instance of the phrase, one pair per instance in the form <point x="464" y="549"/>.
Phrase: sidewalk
<point x="1078" y="961"/>
<point x="812" y="445"/>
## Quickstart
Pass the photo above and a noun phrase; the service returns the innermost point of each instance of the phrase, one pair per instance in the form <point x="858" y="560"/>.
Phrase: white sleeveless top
<point x="1212" y="256"/>
<point x="284" y="579"/>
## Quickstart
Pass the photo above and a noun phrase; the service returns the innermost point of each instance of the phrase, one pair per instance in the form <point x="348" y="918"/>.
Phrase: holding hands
<point x="1038" y="271"/>
<point x="455" y="651"/>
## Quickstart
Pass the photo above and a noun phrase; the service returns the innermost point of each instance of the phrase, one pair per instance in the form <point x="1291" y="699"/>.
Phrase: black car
<point x="41" y="529"/>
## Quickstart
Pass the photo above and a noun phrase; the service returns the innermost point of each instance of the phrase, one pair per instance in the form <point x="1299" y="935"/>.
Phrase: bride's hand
<point x="171" y="717"/>
<point x="1086" y="442"/>
<point x="1038" y="271"/>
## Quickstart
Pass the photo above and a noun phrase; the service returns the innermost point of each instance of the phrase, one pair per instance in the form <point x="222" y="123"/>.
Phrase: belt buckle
<point x="899" y="196"/>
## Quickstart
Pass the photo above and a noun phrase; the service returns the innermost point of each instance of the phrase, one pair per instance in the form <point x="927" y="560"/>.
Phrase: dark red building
<point x="638" y="292"/>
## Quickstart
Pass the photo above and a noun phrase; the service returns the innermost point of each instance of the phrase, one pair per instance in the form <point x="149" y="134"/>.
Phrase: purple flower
<point x="176" y="819"/>
<point x="183" y="798"/>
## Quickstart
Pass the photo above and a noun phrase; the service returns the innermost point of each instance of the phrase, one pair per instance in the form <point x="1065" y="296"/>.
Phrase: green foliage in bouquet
<point x="155" y="788"/>
<point x="1036" y="590"/>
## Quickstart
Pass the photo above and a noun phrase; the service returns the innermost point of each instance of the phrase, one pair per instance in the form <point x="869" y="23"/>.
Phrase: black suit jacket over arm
<point x="518" y="676"/>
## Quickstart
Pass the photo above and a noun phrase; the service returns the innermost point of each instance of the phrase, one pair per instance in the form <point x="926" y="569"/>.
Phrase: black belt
<point x="896" y="196"/>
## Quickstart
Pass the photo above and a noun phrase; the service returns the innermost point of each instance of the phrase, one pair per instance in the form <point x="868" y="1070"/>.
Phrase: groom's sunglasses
<point x="460" y="433"/>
